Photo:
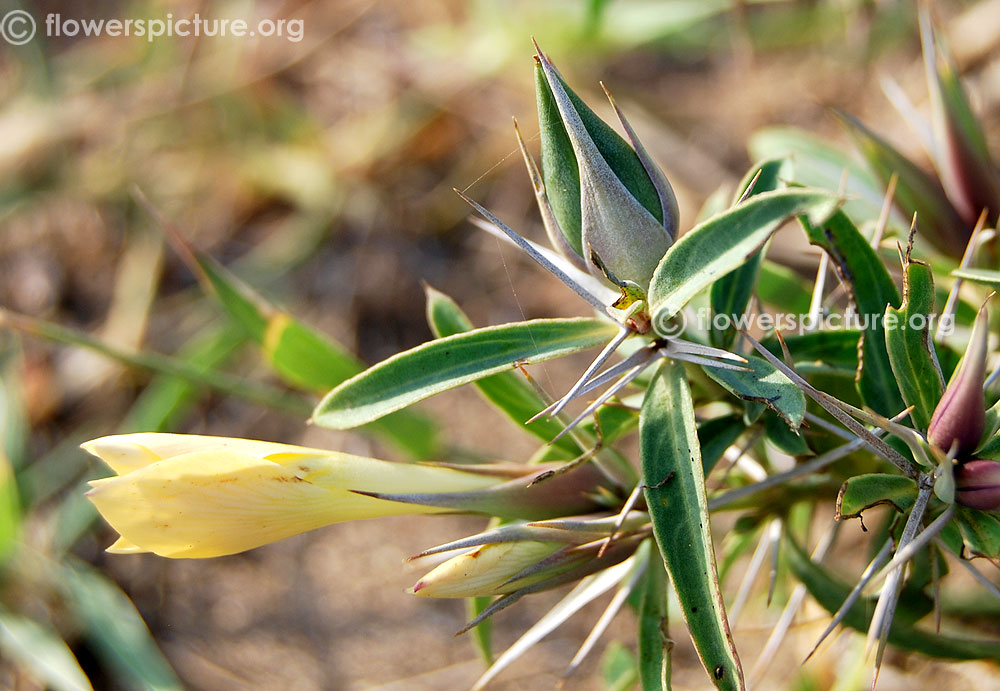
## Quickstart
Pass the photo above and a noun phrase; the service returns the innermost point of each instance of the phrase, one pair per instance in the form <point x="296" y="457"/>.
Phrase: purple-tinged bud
<point x="977" y="485"/>
<point x="960" y="416"/>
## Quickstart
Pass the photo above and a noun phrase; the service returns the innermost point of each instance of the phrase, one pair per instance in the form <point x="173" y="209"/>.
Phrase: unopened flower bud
<point x="977" y="485"/>
<point x="960" y="416"/>
<point x="601" y="195"/>
<point x="486" y="570"/>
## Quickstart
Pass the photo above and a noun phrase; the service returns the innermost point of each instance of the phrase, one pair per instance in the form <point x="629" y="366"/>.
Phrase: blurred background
<point x="318" y="166"/>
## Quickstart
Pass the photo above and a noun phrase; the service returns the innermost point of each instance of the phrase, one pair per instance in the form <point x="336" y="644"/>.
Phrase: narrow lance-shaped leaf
<point x="654" y="640"/>
<point x="961" y="153"/>
<point x="763" y="383"/>
<point x="115" y="628"/>
<point x="731" y="294"/>
<point x="723" y="242"/>
<point x="909" y="345"/>
<point x="985" y="277"/>
<point x="508" y="391"/>
<point x="872" y="289"/>
<point x="449" y="362"/>
<point x="980" y="531"/>
<point x="675" y="494"/>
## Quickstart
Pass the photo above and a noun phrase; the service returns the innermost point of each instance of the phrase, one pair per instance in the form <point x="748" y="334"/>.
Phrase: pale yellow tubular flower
<point x="235" y="494"/>
<point x="128" y="452"/>
<point x="123" y="546"/>
<point x="484" y="570"/>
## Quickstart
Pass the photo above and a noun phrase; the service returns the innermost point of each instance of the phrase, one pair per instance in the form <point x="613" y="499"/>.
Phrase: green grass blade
<point x="161" y="364"/>
<point x="678" y="507"/>
<point x="482" y="633"/>
<point x="165" y="400"/>
<point x="115" y="627"/>
<point x="450" y="362"/>
<point x="41" y="652"/>
<point x="724" y="242"/>
<point x="509" y="392"/>
<point x="872" y="289"/>
<point x="911" y="348"/>
<point x="305" y="358"/>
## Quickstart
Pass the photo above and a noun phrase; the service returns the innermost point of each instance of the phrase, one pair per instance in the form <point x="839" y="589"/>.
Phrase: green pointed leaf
<point x="990" y="449"/>
<point x="986" y="277"/>
<point x="482" y="633"/>
<point x="614" y="422"/>
<point x="618" y="668"/>
<point x="731" y="294"/>
<point x="561" y="172"/>
<point x="763" y="383"/>
<point x="675" y="494"/>
<point x="910" y="348"/>
<point x="872" y="289"/>
<point x="12" y="440"/>
<point x="508" y="391"/>
<point x="980" y="531"/>
<point x="449" y="362"/>
<point x="165" y="400"/>
<point x="304" y="357"/>
<point x="830" y="593"/>
<point x="962" y="155"/>
<point x="833" y="348"/>
<point x="41" y="652"/>
<point x="717" y="435"/>
<point x="724" y="242"/>
<point x="916" y="191"/>
<point x="783" y="288"/>
<point x="784" y="438"/>
<point x="822" y="165"/>
<point x="654" y="632"/>
<point x="862" y="492"/>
